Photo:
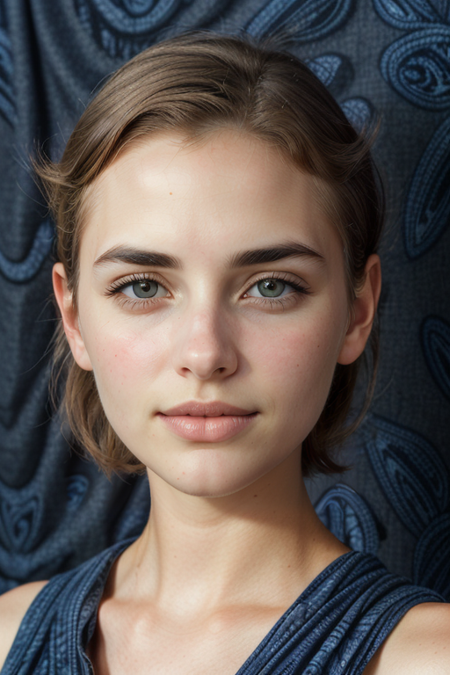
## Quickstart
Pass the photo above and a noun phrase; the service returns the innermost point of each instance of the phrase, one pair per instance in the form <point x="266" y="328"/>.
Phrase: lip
<point x="206" y="422"/>
<point x="202" y="409"/>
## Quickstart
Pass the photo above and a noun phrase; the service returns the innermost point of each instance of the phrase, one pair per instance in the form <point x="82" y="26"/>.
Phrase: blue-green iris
<point x="271" y="288"/>
<point x="145" y="288"/>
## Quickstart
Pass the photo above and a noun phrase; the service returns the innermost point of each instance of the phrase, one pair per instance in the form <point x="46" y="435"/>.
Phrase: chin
<point x="210" y="473"/>
<point x="211" y="487"/>
<point x="212" y="479"/>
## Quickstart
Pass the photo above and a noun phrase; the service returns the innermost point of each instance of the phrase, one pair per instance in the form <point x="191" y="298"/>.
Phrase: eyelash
<point x="274" y="303"/>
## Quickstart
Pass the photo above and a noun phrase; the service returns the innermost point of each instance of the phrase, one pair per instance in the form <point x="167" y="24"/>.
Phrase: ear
<point x="69" y="316"/>
<point x="363" y="313"/>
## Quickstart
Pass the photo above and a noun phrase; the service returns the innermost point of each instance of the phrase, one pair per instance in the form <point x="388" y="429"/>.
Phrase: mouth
<point x="211" y="409"/>
<point x="207" y="422"/>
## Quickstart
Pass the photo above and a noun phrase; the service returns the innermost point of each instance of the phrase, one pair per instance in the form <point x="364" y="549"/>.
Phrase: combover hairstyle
<point x="194" y="84"/>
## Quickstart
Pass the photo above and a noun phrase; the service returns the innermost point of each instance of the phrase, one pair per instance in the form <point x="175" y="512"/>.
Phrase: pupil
<point x="271" y="288"/>
<point x="145" y="289"/>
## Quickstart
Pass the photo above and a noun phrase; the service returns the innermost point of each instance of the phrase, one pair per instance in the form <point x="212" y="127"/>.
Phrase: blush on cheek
<point x="282" y="351"/>
<point x="127" y="354"/>
<point x="299" y="364"/>
<point x="125" y="365"/>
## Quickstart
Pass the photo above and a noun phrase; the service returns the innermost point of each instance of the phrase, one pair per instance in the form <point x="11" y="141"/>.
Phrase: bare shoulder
<point x="418" y="645"/>
<point x="13" y="607"/>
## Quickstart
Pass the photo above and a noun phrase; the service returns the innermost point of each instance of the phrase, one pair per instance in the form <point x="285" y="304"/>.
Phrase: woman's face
<point x="208" y="273"/>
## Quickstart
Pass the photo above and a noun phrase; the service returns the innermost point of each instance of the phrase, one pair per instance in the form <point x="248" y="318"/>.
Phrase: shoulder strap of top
<point x="50" y="635"/>
<point x="339" y="621"/>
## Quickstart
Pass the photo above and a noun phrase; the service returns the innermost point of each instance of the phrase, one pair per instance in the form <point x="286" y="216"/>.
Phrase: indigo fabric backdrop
<point x="378" y="57"/>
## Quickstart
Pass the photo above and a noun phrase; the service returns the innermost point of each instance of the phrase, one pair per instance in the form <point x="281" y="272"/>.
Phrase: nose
<point x="204" y="346"/>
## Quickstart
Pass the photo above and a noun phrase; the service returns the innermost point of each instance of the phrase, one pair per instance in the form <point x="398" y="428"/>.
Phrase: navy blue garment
<point x="334" y="627"/>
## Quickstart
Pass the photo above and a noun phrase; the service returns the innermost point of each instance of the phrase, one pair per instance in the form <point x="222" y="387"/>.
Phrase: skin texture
<point x="232" y="537"/>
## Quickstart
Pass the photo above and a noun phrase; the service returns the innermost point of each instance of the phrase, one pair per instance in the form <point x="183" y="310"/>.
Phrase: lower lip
<point x="207" y="429"/>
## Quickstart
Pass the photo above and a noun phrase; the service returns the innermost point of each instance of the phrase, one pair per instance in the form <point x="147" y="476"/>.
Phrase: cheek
<point x="298" y="362"/>
<point x="125" y="364"/>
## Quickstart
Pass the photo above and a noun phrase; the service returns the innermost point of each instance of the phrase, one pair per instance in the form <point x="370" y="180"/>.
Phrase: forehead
<point x="226" y="191"/>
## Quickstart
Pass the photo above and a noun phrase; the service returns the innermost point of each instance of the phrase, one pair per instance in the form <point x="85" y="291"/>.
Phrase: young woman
<point x="218" y="220"/>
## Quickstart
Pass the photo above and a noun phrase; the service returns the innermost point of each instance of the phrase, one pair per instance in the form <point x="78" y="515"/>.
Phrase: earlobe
<point x="364" y="311"/>
<point x="69" y="317"/>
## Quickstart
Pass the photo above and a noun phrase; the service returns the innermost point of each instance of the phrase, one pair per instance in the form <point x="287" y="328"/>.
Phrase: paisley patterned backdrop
<point x="388" y="58"/>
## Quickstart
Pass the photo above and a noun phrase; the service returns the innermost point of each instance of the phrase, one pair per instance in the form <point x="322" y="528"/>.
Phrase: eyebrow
<point x="134" y="256"/>
<point x="265" y="255"/>
<point x="256" y="256"/>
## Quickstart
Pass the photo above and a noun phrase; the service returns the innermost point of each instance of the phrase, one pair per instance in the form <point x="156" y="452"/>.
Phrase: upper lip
<point x="212" y="409"/>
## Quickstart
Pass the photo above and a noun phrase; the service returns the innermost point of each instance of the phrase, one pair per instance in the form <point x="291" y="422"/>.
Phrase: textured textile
<point x="387" y="58"/>
<point x="334" y="627"/>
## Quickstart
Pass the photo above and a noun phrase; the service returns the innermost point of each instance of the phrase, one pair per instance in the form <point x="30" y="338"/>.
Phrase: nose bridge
<point x="203" y="344"/>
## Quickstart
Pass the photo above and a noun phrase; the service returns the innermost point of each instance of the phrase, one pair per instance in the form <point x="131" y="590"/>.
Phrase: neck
<point x="202" y="552"/>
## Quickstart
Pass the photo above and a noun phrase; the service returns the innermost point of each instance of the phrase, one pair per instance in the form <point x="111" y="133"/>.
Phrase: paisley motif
<point x="418" y="67"/>
<point x="412" y="14"/>
<point x="77" y="486"/>
<point x="427" y="208"/>
<point x="358" y="111"/>
<point x="435" y="336"/>
<point x="27" y="268"/>
<point x="7" y="105"/>
<point x="123" y="28"/>
<point x="325" y="67"/>
<point x="303" y="20"/>
<point x="347" y="515"/>
<point x="333" y="70"/>
<point x="132" y="16"/>
<point x="431" y="565"/>
<point x="20" y="515"/>
<point x="411" y="473"/>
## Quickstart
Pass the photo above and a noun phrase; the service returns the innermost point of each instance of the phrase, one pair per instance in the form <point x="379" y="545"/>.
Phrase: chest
<point x="152" y="645"/>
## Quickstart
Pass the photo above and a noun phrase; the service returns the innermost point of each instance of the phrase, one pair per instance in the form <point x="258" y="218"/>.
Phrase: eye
<point x="144" y="289"/>
<point x="269" y="288"/>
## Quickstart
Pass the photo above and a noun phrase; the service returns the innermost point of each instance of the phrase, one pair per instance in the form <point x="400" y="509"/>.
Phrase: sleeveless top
<point x="333" y="628"/>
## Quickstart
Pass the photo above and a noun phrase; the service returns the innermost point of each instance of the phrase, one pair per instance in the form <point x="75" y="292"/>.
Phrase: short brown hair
<point x="195" y="83"/>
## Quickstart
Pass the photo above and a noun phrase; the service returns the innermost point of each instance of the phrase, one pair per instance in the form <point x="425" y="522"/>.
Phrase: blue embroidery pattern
<point x="435" y="335"/>
<point x="412" y="14"/>
<point x="430" y="564"/>
<point x="325" y="67"/>
<point x="123" y="28"/>
<point x="348" y="516"/>
<point x="427" y="208"/>
<point x="416" y="482"/>
<point x="359" y="112"/>
<point x="335" y="72"/>
<point x="418" y="67"/>
<point x="135" y="16"/>
<point x="28" y="268"/>
<point x="303" y="20"/>
<point x="77" y="486"/>
<point x="411" y="474"/>
<point x="21" y="514"/>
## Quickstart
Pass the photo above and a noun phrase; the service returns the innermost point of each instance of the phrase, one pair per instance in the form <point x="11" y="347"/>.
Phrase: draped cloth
<point x="334" y="627"/>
